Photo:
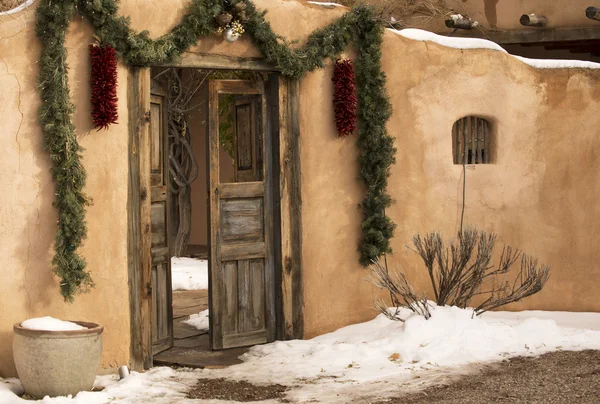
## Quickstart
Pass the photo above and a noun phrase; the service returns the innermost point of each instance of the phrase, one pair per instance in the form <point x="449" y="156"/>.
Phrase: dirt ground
<point x="242" y="391"/>
<point x="558" y="377"/>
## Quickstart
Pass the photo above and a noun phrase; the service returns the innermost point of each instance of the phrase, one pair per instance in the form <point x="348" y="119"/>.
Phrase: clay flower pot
<point x="57" y="363"/>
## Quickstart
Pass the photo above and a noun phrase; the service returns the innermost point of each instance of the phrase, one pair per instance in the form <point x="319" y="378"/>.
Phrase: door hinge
<point x="148" y="289"/>
<point x="147" y="116"/>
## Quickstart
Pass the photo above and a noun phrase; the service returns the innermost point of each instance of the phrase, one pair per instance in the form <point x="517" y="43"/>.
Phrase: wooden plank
<point x="216" y="313"/>
<point x="480" y="140"/>
<point x="242" y="220"/>
<point x="154" y="308"/>
<point x="472" y="121"/>
<point x="463" y="126"/>
<point x="163" y="329"/>
<point x="159" y="226"/>
<point x="240" y="87"/>
<point x="244" y="293"/>
<point x="269" y="278"/>
<point x="285" y="209"/>
<point x="230" y="297"/>
<point x="212" y="61"/>
<point x="134" y="273"/>
<point x="145" y="215"/>
<point x="242" y="189"/>
<point x="296" y="212"/>
<point x="257" y="296"/>
<point x="156" y="154"/>
<point x="246" y="339"/>
<point x="159" y="194"/>
<point x="243" y="251"/>
<point x="534" y="35"/>
<point x="160" y="255"/>
<point x="486" y="138"/>
<point x="273" y="89"/>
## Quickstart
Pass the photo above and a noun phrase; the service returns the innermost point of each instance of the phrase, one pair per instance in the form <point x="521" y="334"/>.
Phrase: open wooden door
<point x="241" y="287"/>
<point x="162" y="308"/>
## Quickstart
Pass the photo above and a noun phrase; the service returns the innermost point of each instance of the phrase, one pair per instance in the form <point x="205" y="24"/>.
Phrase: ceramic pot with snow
<point x="57" y="363"/>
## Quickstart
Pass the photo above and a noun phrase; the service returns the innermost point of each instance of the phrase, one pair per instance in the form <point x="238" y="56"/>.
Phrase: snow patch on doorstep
<point x="18" y="8"/>
<point x="189" y="273"/>
<point x="477" y="43"/>
<point x="50" y="324"/>
<point x="199" y="320"/>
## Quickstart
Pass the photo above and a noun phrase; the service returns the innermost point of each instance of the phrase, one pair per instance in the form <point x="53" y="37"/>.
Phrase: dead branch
<point x="401" y="292"/>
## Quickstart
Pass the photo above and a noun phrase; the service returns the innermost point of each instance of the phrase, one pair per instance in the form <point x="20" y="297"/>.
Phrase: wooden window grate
<point x="471" y="141"/>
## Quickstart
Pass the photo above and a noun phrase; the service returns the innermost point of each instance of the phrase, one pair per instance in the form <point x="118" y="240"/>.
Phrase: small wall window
<point x="471" y="141"/>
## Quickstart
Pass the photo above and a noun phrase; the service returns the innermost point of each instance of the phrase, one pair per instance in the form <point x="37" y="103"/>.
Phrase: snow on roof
<point x="477" y="43"/>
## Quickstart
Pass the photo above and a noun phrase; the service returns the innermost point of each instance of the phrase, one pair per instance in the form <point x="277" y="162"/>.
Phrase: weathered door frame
<point x="287" y="202"/>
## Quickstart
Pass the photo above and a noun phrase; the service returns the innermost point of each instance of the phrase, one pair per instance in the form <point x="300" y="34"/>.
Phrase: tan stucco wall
<point x="539" y="195"/>
<point x="28" y="221"/>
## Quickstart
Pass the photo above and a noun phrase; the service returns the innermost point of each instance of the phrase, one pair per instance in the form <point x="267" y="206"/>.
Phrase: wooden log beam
<point x="534" y="36"/>
<point x="593" y="13"/>
<point x="533" y="20"/>
<point x="457" y="21"/>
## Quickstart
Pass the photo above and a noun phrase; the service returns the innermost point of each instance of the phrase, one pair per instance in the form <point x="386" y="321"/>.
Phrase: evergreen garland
<point x="138" y="49"/>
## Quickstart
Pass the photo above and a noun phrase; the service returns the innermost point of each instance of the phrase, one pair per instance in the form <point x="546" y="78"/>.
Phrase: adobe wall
<point x="27" y="218"/>
<point x="539" y="195"/>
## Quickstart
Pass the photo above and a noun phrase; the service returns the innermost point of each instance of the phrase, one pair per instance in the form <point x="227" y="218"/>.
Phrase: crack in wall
<point x="17" y="140"/>
<point x="18" y="108"/>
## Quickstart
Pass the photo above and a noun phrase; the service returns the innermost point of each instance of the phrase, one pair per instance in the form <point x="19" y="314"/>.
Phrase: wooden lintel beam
<point x="533" y="20"/>
<point x="534" y="36"/>
<point x="593" y="13"/>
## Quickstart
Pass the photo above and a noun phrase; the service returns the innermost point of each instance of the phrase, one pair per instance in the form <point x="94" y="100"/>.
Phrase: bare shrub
<point x="463" y="270"/>
<point x="401" y="292"/>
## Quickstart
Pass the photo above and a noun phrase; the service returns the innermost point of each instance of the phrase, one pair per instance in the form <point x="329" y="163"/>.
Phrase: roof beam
<point x="533" y="36"/>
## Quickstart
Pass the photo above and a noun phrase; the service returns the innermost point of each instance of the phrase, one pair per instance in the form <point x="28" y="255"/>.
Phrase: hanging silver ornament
<point x="231" y="36"/>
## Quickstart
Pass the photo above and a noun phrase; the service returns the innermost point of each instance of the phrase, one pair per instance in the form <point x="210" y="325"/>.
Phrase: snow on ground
<point x="50" y="324"/>
<point x="477" y="43"/>
<point x="377" y="358"/>
<point x="325" y="4"/>
<point x="199" y="321"/>
<point x="189" y="273"/>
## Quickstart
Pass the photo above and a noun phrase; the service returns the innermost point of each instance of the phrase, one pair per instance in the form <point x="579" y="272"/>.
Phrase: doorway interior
<point x="212" y="214"/>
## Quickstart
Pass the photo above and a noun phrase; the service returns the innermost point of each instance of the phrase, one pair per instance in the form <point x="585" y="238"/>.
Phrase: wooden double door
<point x="241" y="218"/>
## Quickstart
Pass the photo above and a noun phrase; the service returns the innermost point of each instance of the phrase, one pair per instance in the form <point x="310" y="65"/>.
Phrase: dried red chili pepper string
<point x="103" y="80"/>
<point x="344" y="97"/>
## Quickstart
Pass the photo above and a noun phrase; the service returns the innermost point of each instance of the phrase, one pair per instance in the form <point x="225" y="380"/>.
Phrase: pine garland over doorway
<point x="357" y="27"/>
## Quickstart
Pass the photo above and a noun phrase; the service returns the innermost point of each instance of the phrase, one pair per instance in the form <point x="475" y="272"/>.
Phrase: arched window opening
<point x="471" y="141"/>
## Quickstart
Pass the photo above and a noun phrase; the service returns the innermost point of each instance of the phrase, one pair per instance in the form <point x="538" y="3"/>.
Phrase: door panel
<point x="242" y="264"/>
<point x="162" y="309"/>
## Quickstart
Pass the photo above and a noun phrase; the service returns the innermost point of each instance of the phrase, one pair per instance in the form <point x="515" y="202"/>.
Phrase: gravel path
<point x="558" y="377"/>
